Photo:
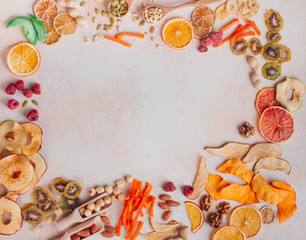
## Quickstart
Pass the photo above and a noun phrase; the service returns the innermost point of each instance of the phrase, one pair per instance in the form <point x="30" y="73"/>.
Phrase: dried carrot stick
<point x="253" y="24"/>
<point x="151" y="209"/>
<point x="246" y="35"/>
<point x="229" y="25"/>
<point x="242" y="30"/>
<point x="138" y="229"/>
<point x="138" y="35"/>
<point x="117" y="40"/>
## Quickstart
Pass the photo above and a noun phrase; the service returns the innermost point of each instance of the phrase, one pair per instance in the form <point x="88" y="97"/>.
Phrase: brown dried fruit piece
<point x="109" y="228"/>
<point x="246" y="130"/>
<point x="230" y="150"/>
<point x="267" y="214"/>
<point x="239" y="193"/>
<point x="215" y="185"/>
<point x="105" y="219"/>
<point x="206" y="203"/>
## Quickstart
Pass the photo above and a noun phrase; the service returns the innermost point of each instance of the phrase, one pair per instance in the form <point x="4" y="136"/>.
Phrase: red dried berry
<point x="187" y="190"/>
<point x="206" y="41"/>
<point x="19" y="85"/>
<point x="28" y="93"/>
<point x="169" y="187"/>
<point x="10" y="89"/>
<point x="203" y="49"/>
<point x="33" y="115"/>
<point x="216" y="37"/>
<point x="36" y="89"/>
<point x="13" y="104"/>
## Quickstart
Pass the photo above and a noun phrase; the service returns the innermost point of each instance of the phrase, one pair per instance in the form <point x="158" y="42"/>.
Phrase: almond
<point x="164" y="206"/>
<point x="172" y="203"/>
<point x="84" y="233"/>
<point x="110" y="229"/>
<point x="166" y="215"/>
<point x="75" y="237"/>
<point x="107" y="234"/>
<point x="106" y="219"/>
<point x="93" y="229"/>
<point x="164" y="197"/>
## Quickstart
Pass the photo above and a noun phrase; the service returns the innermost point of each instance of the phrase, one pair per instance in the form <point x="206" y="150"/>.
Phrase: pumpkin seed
<point x="152" y="29"/>
<point x="94" y="19"/>
<point x="88" y="15"/>
<point x="142" y="23"/>
<point x="83" y="3"/>
<point x="99" y="27"/>
<point x="35" y="102"/>
<point x="108" y="14"/>
<point x="25" y="103"/>
<point x="135" y="18"/>
<point x="103" y="13"/>
<point x="97" y="11"/>
<point x="112" y="20"/>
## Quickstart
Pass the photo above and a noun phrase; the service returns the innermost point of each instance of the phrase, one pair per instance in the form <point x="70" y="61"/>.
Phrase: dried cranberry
<point x="28" y="93"/>
<point x="216" y="38"/>
<point x="36" y="89"/>
<point x="206" y="41"/>
<point x="13" y="104"/>
<point x="19" y="85"/>
<point x="187" y="190"/>
<point x="203" y="49"/>
<point x="33" y="115"/>
<point x="10" y="89"/>
<point x="169" y="187"/>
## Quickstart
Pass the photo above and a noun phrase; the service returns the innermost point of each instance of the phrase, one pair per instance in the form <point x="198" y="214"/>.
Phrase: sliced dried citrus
<point x="177" y="33"/>
<point x="45" y="10"/>
<point x="196" y="216"/>
<point x="64" y="24"/>
<point x="247" y="219"/>
<point x="53" y="36"/>
<point x="266" y="98"/>
<point x="276" y="124"/>
<point x="200" y="33"/>
<point x="228" y="233"/>
<point x="23" y="59"/>
<point x="203" y="17"/>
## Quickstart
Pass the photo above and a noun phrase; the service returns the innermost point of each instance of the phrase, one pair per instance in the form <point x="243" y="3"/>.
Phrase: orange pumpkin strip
<point x="239" y="193"/>
<point x="214" y="186"/>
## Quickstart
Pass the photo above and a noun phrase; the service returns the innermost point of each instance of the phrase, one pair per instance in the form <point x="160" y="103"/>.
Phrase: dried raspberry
<point x="36" y="89"/>
<point x="203" y="49"/>
<point x="28" y="93"/>
<point x="33" y="115"/>
<point x="10" y="89"/>
<point x="216" y="37"/>
<point x="206" y="41"/>
<point x="187" y="190"/>
<point x="19" y="85"/>
<point x="13" y="104"/>
<point x="169" y="187"/>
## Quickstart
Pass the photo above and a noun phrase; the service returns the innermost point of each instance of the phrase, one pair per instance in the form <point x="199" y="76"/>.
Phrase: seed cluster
<point x="153" y="14"/>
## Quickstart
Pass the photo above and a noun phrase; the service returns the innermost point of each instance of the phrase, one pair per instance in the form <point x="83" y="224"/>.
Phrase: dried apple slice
<point x="35" y="133"/>
<point x="13" y="209"/>
<point x="160" y="227"/>
<point x="12" y="135"/>
<point x="30" y="186"/>
<point x="39" y="165"/>
<point x="16" y="172"/>
<point x="13" y="197"/>
<point x="200" y="180"/>
<point x="230" y="150"/>
<point x="239" y="193"/>
<point x="273" y="164"/>
<point x="260" y="150"/>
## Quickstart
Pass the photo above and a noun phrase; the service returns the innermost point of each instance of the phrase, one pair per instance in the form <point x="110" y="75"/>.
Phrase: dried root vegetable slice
<point x="273" y="164"/>
<point x="260" y="150"/>
<point x="159" y="235"/>
<point x="215" y="185"/>
<point x="200" y="180"/>
<point x="267" y="215"/>
<point x="266" y="192"/>
<point x="239" y="193"/>
<point x="236" y="167"/>
<point x="160" y="227"/>
<point x="287" y="208"/>
<point x="230" y="150"/>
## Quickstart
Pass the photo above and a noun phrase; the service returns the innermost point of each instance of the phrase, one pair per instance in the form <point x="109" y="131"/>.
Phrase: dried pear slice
<point x="271" y="71"/>
<point x="49" y="206"/>
<point x="32" y="214"/>
<point x="35" y="133"/>
<point x="58" y="186"/>
<point x="260" y="150"/>
<point x="40" y="195"/>
<point x="12" y="135"/>
<point x="286" y="55"/>
<point x="255" y="46"/>
<point x="298" y="91"/>
<point x="159" y="235"/>
<point x="272" y="52"/>
<point x="274" y="37"/>
<point x="69" y="204"/>
<point x="230" y="150"/>
<point x="239" y="47"/>
<point x="72" y="190"/>
<point x="273" y="164"/>
<point x="160" y="227"/>
<point x="274" y="21"/>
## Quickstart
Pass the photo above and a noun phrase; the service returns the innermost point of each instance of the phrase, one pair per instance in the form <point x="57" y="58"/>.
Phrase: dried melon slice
<point x="35" y="133"/>
<point x="39" y="165"/>
<point x="12" y="135"/>
<point x="13" y="209"/>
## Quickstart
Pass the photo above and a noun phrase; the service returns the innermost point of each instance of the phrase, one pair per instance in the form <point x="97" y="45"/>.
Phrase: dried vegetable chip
<point x="260" y="150"/>
<point x="230" y="150"/>
<point x="287" y="207"/>
<point x="215" y="185"/>
<point x="266" y="192"/>
<point x="239" y="193"/>
<point x="236" y="167"/>
<point x="273" y="164"/>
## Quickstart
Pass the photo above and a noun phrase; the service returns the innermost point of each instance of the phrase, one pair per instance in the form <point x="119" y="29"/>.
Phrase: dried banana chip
<point x="239" y="193"/>
<point x="243" y="6"/>
<point x="273" y="164"/>
<point x="253" y="5"/>
<point x="230" y="150"/>
<point x="221" y="12"/>
<point x="231" y="7"/>
<point x="260" y="150"/>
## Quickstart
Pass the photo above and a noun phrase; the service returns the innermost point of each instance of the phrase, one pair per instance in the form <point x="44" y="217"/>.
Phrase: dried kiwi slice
<point x="72" y="190"/>
<point x="32" y="214"/>
<point x="274" y="21"/>
<point x="239" y="47"/>
<point x="49" y="206"/>
<point x="40" y="195"/>
<point x="255" y="46"/>
<point x="69" y="204"/>
<point x="58" y="186"/>
<point x="274" y="37"/>
<point x="271" y="71"/>
<point x="285" y="56"/>
<point x="272" y="52"/>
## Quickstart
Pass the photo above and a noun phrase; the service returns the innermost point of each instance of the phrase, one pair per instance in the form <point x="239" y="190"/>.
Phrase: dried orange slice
<point x="177" y="33"/>
<point x="23" y="59"/>
<point x="247" y="219"/>
<point x="200" y="33"/>
<point x="45" y="10"/>
<point x="64" y="24"/>
<point x="196" y="216"/>
<point x="203" y="17"/>
<point x="53" y="37"/>
<point x="228" y="233"/>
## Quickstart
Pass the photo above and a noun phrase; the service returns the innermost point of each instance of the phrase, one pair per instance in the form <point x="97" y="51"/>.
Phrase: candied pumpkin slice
<point x="239" y="193"/>
<point x="12" y="135"/>
<point x="214" y="186"/>
<point x="34" y="139"/>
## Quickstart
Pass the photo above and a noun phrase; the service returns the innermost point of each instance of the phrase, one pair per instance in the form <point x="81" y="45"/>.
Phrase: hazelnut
<point x="97" y="208"/>
<point x="91" y="206"/>
<point x="88" y="213"/>
<point x="129" y="179"/>
<point x="120" y="183"/>
<point x="36" y="229"/>
<point x="58" y="212"/>
<point x="116" y="190"/>
<point x="82" y="211"/>
<point x="121" y="197"/>
<point x="109" y="189"/>
<point x="49" y="219"/>
<point x="100" y="202"/>
<point x="100" y="189"/>
<point x="92" y="192"/>
<point x="107" y="200"/>
<point x="114" y="198"/>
